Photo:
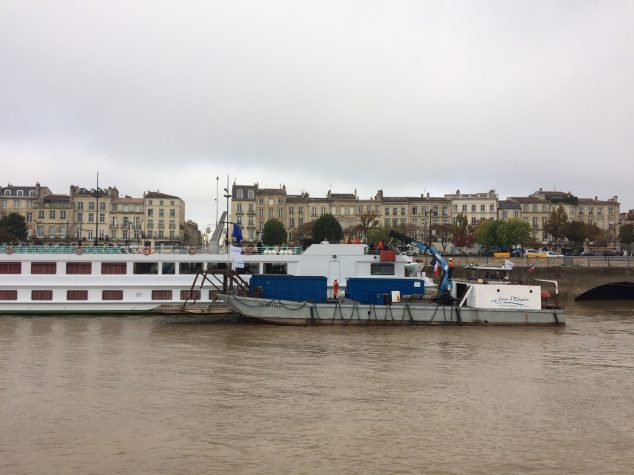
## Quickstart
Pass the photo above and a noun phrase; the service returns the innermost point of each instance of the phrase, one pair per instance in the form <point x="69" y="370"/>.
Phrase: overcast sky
<point x="405" y="96"/>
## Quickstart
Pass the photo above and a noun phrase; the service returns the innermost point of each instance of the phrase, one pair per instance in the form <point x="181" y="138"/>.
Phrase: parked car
<point x="531" y="253"/>
<point x="553" y="254"/>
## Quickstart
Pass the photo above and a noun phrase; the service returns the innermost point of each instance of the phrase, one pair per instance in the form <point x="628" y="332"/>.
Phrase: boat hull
<point x="283" y="312"/>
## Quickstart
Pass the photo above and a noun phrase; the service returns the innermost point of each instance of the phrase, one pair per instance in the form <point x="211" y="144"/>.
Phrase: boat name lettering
<point x="512" y="300"/>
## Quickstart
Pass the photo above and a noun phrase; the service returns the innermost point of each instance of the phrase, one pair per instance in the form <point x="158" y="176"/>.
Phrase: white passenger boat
<point x="111" y="279"/>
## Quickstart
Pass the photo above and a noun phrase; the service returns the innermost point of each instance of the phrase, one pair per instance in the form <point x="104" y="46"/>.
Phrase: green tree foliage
<point x="486" y="233"/>
<point x="556" y="222"/>
<point x="378" y="234"/>
<point x="463" y="234"/>
<point x="512" y="232"/>
<point x="626" y="234"/>
<point x="327" y="227"/>
<point x="575" y="232"/>
<point x="13" y="229"/>
<point x="273" y="233"/>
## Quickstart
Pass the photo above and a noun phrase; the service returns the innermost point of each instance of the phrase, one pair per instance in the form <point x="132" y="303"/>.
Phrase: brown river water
<point x="136" y="395"/>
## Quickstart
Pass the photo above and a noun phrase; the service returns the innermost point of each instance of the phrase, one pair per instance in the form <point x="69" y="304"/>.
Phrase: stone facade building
<point x="252" y="206"/>
<point x="85" y="215"/>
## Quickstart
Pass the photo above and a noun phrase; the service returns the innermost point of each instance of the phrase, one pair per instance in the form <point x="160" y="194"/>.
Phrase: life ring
<point x="147" y="251"/>
<point x="249" y="249"/>
<point x="8" y="250"/>
<point x="191" y="250"/>
<point x="79" y="251"/>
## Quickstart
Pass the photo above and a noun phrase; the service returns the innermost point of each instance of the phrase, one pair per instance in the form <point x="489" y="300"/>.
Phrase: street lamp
<point x="227" y="195"/>
<point x="431" y="213"/>
<point x="96" y="195"/>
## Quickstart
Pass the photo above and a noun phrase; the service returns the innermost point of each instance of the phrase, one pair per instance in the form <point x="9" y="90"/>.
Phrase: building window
<point x="464" y="208"/>
<point x="482" y="208"/>
<point x="161" y="295"/>
<point x="43" y="267"/>
<point x="8" y="294"/>
<point x="414" y="210"/>
<point x="172" y="213"/>
<point x="168" y="268"/>
<point x="76" y="295"/>
<point x="387" y="211"/>
<point x="41" y="295"/>
<point x="239" y="194"/>
<point x="112" y="295"/>
<point x="80" y="205"/>
<point x="40" y="214"/>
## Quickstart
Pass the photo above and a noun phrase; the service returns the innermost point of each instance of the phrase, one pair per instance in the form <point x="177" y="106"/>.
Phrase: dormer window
<point x="7" y="192"/>
<point x="20" y="193"/>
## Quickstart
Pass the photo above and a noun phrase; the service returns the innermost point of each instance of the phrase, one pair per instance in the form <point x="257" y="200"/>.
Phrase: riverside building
<point x="252" y="206"/>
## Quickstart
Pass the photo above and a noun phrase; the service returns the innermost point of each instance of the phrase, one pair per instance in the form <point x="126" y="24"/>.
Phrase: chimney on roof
<point x="596" y="198"/>
<point x="428" y="194"/>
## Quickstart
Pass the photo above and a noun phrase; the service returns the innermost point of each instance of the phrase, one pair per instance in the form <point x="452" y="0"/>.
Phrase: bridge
<point x="581" y="278"/>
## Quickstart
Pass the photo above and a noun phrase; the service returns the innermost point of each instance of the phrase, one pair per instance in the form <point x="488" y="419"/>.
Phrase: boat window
<point x="10" y="267"/>
<point x="190" y="267"/>
<point x="8" y="294"/>
<point x="78" y="267"/>
<point x="216" y="265"/>
<point x="112" y="295"/>
<point x="145" y="268"/>
<point x="381" y="268"/>
<point x="41" y="295"/>
<point x="213" y="295"/>
<point x="168" y="268"/>
<point x="190" y="295"/>
<point x="76" y="295"/>
<point x="43" y="267"/>
<point x="161" y="295"/>
<point x="109" y="268"/>
<point x="249" y="268"/>
<point x="275" y="268"/>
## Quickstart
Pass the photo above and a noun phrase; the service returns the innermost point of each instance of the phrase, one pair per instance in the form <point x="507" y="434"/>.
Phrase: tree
<point x="486" y="233"/>
<point x="512" y="232"/>
<point x="463" y="235"/>
<point x="273" y="233"/>
<point x="444" y="234"/>
<point x="367" y="220"/>
<point x="575" y="232"/>
<point x="556" y="222"/>
<point x="327" y="228"/>
<point x="13" y="229"/>
<point x="304" y="233"/>
<point x="626" y="235"/>
<point x="593" y="233"/>
<point x="378" y="234"/>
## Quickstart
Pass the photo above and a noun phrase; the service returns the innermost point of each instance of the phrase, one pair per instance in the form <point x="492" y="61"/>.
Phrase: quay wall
<point x="575" y="275"/>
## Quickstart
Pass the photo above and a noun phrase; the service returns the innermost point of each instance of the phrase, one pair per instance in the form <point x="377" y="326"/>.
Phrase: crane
<point x="446" y="284"/>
